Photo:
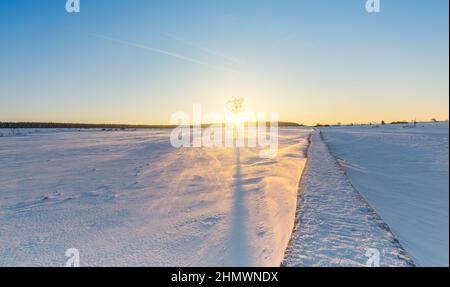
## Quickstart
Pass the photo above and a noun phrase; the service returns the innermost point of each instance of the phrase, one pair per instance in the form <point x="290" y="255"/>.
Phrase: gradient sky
<point x="122" y="61"/>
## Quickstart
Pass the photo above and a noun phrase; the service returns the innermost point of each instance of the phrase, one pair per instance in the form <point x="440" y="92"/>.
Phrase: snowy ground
<point x="404" y="174"/>
<point x="129" y="198"/>
<point x="335" y="226"/>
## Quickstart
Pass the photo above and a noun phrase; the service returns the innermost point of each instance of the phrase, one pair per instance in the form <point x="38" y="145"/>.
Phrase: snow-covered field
<point x="129" y="198"/>
<point x="403" y="172"/>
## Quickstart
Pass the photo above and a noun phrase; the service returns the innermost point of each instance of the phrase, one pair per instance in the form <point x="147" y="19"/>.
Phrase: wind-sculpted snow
<point x="335" y="226"/>
<point x="129" y="198"/>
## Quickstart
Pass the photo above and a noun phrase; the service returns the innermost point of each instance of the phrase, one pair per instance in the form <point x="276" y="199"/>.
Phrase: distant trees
<point x="383" y="123"/>
<point x="36" y="125"/>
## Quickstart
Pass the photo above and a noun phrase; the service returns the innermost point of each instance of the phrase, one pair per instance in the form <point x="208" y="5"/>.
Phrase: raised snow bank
<point x="335" y="226"/>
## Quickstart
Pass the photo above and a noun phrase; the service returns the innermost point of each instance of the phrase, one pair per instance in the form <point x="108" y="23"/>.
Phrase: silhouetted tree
<point x="236" y="104"/>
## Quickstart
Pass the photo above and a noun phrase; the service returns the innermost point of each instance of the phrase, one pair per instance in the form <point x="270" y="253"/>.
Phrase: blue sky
<point x="121" y="61"/>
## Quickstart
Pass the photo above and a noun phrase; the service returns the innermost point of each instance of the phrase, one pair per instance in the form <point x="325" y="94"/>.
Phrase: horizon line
<point x="51" y="124"/>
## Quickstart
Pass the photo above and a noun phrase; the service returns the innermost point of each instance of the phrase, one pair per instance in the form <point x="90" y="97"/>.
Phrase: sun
<point x="237" y="119"/>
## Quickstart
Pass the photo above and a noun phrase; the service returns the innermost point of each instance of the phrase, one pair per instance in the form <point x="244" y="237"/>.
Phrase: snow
<point x="128" y="198"/>
<point x="404" y="174"/>
<point x="335" y="226"/>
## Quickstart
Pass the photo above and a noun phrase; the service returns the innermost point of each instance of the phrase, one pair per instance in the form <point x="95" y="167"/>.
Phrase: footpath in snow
<point x="335" y="226"/>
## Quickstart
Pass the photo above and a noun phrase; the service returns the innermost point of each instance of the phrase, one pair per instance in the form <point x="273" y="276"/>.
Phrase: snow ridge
<point x="335" y="225"/>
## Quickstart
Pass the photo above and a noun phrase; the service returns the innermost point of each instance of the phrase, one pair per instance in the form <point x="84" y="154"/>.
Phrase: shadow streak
<point x="238" y="255"/>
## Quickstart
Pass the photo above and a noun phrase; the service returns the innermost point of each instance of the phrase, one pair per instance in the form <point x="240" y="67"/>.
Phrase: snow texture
<point x="335" y="226"/>
<point x="404" y="173"/>
<point x="128" y="198"/>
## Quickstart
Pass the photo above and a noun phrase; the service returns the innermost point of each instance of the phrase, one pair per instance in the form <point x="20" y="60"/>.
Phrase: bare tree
<point x="236" y="104"/>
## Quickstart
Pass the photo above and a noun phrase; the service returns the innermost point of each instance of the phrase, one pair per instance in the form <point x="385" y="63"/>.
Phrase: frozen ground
<point x="129" y="198"/>
<point x="335" y="226"/>
<point x="404" y="174"/>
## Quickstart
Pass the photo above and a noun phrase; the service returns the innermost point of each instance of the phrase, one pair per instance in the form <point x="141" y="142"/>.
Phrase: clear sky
<point x="139" y="61"/>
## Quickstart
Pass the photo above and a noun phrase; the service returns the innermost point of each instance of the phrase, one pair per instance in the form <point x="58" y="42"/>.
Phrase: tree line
<point x="41" y="125"/>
